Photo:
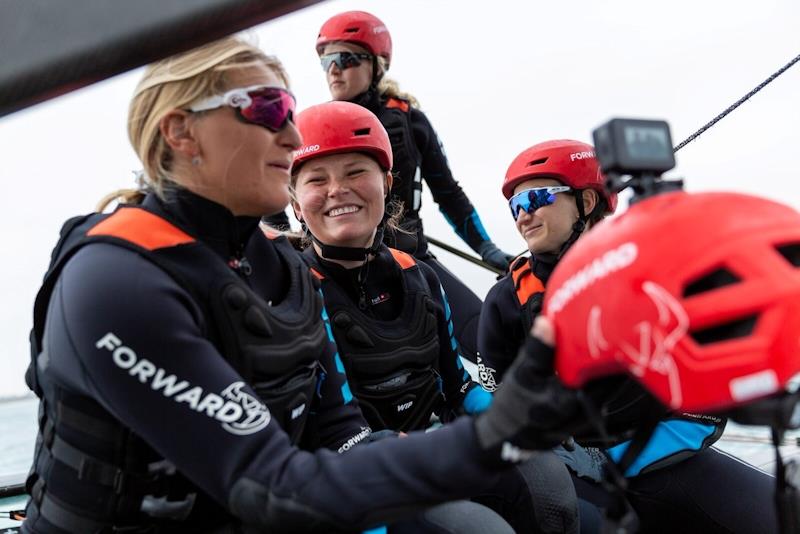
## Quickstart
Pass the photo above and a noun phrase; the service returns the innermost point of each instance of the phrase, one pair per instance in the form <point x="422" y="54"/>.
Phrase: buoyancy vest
<point x="407" y="186"/>
<point x="392" y="366"/>
<point x="120" y="481"/>
<point x="623" y="403"/>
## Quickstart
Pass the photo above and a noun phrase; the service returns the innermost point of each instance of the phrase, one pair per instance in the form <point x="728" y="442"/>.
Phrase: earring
<point x="197" y="161"/>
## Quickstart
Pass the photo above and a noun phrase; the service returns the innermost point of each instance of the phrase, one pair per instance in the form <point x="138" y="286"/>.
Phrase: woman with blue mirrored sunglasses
<point x="557" y="193"/>
<point x="530" y="200"/>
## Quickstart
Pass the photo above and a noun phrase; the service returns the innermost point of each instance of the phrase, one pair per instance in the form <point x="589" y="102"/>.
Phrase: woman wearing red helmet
<point x="389" y="314"/>
<point x="556" y="193"/>
<point x="181" y="356"/>
<point x="355" y="49"/>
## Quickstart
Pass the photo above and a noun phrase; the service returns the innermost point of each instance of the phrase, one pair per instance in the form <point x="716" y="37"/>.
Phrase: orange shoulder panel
<point x="526" y="283"/>
<point x="406" y="261"/>
<point x="316" y="273"/>
<point x="142" y="228"/>
<point x="396" y="103"/>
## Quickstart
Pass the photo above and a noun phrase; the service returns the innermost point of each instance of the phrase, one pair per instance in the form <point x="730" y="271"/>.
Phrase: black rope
<point x="736" y="104"/>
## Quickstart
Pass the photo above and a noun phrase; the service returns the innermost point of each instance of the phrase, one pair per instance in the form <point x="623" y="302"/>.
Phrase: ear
<point x="298" y="213"/>
<point x="590" y="200"/>
<point x="176" y="130"/>
<point x="388" y="184"/>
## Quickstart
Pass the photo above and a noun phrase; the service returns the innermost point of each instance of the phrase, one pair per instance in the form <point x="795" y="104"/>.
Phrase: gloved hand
<point x="494" y="256"/>
<point x="531" y="409"/>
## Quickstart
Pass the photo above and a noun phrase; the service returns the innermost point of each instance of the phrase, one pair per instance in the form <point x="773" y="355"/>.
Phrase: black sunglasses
<point x="343" y="60"/>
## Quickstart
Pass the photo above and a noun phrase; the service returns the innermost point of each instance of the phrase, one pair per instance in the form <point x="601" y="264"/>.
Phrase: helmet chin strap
<point x="578" y="227"/>
<point x="335" y="252"/>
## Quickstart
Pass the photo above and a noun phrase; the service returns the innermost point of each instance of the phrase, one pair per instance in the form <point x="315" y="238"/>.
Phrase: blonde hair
<point x="175" y="83"/>
<point x="390" y="88"/>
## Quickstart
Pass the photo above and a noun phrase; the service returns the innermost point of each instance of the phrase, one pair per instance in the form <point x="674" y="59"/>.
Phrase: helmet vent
<point x="725" y="332"/>
<point x="351" y="30"/>
<point x="714" y="280"/>
<point x="360" y="132"/>
<point x="791" y="252"/>
<point x="536" y="162"/>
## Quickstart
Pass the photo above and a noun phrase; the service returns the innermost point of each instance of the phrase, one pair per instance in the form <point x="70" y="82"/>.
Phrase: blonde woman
<point x="181" y="356"/>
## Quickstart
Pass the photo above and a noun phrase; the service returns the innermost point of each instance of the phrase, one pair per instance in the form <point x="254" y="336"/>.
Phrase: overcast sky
<point x="494" y="78"/>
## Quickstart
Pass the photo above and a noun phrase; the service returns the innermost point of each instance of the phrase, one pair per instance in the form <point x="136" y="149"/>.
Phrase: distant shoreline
<point x="18" y="397"/>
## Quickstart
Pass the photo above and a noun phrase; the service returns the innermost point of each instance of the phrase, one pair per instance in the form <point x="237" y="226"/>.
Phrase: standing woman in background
<point x="355" y="49"/>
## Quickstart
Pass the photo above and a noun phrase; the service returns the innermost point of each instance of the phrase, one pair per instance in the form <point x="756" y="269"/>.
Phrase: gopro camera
<point x="634" y="147"/>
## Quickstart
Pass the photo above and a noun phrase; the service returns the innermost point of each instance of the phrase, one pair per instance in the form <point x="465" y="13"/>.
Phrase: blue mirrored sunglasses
<point x="532" y="199"/>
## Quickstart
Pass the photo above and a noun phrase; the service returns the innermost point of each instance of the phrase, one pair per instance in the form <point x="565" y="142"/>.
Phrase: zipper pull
<point x="241" y="265"/>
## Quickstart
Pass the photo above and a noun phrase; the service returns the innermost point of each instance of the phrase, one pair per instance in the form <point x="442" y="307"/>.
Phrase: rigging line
<point x="736" y="104"/>
<point x="463" y="255"/>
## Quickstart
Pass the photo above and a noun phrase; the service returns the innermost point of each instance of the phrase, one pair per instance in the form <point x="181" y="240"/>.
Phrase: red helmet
<point x="337" y="127"/>
<point x="357" y="27"/>
<point x="695" y="296"/>
<point x="570" y="162"/>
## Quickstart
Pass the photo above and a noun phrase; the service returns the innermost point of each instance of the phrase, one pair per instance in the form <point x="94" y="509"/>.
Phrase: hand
<point x="494" y="256"/>
<point x="531" y="409"/>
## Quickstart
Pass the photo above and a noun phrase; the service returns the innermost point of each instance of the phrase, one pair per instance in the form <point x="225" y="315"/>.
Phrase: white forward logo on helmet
<point x="608" y="263"/>
<point x="238" y="411"/>
<point x="581" y="155"/>
<point x="306" y="150"/>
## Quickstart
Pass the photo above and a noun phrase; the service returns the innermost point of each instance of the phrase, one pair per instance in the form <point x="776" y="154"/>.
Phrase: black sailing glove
<point x="531" y="408"/>
<point x="494" y="256"/>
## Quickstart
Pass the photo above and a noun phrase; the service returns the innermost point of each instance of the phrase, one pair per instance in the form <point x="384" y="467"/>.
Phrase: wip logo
<point x="308" y="149"/>
<point x="237" y="411"/>
<point x="405" y="406"/>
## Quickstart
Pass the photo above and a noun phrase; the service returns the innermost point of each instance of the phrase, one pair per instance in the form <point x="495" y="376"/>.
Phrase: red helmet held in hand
<point x="695" y="296"/>
<point x="358" y="27"/>
<point x="571" y="162"/>
<point x="338" y="127"/>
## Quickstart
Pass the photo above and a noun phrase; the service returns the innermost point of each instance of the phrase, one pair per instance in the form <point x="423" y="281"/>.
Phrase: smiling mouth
<point x="342" y="210"/>
<point x="532" y="229"/>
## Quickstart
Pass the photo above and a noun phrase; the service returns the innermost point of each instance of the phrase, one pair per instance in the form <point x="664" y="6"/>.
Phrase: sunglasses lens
<point x="343" y="60"/>
<point x="271" y="108"/>
<point x="328" y="59"/>
<point x="530" y="201"/>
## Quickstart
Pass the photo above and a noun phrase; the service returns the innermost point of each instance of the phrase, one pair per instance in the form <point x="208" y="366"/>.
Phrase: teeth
<point x="342" y="210"/>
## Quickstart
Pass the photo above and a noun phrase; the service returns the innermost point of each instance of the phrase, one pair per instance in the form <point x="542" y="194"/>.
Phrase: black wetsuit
<point x="407" y="320"/>
<point x="391" y="319"/>
<point x="418" y="156"/>
<point x="113" y="308"/>
<point x="671" y="492"/>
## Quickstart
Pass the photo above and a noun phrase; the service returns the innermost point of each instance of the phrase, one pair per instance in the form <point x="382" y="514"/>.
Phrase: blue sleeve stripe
<point x="347" y="395"/>
<point x="669" y="437"/>
<point x="479" y="225"/>
<point x="446" y="304"/>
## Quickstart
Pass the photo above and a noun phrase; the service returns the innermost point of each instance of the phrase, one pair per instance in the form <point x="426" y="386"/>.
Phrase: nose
<point x="337" y="186"/>
<point x="289" y="136"/>
<point x="333" y="69"/>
